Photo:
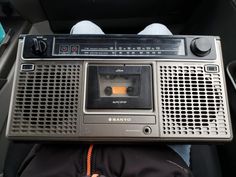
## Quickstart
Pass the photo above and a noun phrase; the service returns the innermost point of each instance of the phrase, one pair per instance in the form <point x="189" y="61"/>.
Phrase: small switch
<point x="27" y="67"/>
<point x="212" y="68"/>
<point x="64" y="49"/>
<point x="74" y="49"/>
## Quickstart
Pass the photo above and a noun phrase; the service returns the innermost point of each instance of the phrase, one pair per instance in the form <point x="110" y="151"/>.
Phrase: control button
<point x="108" y="91"/>
<point x="39" y="46"/>
<point x="27" y="67"/>
<point x="64" y="49"/>
<point x="74" y="49"/>
<point x="212" y="68"/>
<point x="200" y="46"/>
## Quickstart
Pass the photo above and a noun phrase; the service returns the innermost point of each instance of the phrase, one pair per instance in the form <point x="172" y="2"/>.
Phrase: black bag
<point x="103" y="160"/>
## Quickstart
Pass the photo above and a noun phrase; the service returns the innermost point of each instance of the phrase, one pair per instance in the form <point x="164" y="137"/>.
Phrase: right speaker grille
<point x="192" y="102"/>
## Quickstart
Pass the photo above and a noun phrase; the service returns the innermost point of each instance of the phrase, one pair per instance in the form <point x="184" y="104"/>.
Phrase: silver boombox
<point x="119" y="88"/>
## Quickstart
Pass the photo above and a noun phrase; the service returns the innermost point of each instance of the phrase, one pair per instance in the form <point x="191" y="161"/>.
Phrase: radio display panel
<point x="145" y="46"/>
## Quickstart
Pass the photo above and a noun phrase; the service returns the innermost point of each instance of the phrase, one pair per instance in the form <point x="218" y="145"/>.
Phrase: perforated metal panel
<point x="192" y="101"/>
<point x="46" y="100"/>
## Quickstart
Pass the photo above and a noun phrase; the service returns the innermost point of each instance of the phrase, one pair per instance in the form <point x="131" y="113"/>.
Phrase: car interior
<point x="182" y="17"/>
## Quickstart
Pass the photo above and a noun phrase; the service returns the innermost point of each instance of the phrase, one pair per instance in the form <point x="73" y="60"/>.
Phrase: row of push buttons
<point x="69" y="49"/>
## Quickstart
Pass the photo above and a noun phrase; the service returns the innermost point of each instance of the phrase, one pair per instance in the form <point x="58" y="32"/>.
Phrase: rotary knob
<point x="200" y="46"/>
<point x="39" y="46"/>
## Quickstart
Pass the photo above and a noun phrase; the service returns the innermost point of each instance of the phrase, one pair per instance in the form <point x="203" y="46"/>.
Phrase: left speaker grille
<point x="46" y="100"/>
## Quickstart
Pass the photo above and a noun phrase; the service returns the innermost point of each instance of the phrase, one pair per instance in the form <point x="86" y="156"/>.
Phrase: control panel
<point x="115" y="46"/>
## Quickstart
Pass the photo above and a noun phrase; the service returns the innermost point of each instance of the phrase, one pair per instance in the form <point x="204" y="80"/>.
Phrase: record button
<point x="64" y="49"/>
<point x="74" y="49"/>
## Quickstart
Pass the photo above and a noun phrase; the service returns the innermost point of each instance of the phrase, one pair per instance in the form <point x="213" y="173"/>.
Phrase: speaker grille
<point x="47" y="100"/>
<point x="192" y="102"/>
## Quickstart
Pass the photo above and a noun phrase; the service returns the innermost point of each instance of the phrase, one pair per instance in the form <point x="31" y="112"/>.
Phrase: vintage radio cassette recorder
<point x="119" y="88"/>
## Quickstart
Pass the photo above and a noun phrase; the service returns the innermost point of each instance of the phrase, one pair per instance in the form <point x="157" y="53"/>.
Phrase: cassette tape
<point x="119" y="85"/>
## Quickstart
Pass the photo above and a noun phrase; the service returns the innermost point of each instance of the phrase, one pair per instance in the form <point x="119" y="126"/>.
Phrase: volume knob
<point x="39" y="46"/>
<point x="200" y="46"/>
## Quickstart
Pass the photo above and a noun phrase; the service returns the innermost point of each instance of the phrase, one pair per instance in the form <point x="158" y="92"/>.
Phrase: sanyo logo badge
<point x="119" y="119"/>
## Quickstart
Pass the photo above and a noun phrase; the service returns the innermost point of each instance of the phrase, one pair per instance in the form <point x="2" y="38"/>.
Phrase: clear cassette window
<point x="119" y="85"/>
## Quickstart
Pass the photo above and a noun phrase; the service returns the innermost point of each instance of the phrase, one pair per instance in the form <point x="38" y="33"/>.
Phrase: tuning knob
<point x="200" y="46"/>
<point x="39" y="46"/>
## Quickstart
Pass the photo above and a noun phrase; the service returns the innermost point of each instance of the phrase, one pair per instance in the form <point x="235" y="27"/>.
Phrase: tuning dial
<point x="39" y="46"/>
<point x="200" y="46"/>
